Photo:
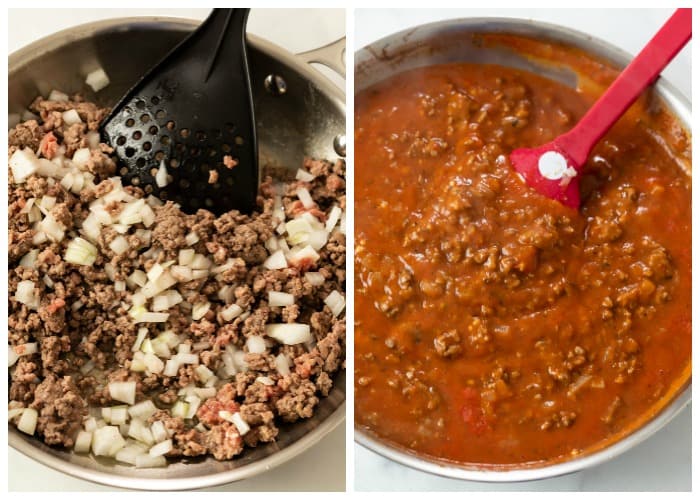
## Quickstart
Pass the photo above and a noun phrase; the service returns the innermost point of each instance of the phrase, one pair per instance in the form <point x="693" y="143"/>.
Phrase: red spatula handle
<point x="642" y="71"/>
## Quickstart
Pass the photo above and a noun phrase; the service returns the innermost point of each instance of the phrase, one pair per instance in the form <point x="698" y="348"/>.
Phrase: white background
<point x="664" y="461"/>
<point x="323" y="466"/>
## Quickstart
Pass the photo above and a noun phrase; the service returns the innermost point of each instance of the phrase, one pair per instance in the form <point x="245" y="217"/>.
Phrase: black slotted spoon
<point x="188" y="112"/>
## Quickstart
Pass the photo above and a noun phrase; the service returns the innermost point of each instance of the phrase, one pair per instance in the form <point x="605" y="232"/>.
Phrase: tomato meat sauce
<point x="493" y="325"/>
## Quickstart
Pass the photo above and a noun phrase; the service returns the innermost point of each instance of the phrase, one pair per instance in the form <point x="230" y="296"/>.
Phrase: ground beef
<point x="82" y="326"/>
<point x="61" y="410"/>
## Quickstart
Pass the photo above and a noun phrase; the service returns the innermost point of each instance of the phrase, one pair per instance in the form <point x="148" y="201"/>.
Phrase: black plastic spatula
<point x="189" y="122"/>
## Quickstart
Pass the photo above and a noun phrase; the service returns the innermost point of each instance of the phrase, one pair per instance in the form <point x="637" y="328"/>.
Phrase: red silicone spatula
<point x="554" y="169"/>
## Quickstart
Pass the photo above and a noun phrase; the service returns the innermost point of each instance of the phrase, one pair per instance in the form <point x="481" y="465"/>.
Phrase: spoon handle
<point x="641" y="72"/>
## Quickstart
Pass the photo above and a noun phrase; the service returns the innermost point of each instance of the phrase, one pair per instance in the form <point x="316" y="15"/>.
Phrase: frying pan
<point x="299" y="113"/>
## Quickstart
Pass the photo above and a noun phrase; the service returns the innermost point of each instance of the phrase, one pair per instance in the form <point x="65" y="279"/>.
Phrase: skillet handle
<point x="331" y="56"/>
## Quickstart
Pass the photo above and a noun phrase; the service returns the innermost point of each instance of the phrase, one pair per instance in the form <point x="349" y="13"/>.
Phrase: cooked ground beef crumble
<point x="76" y="330"/>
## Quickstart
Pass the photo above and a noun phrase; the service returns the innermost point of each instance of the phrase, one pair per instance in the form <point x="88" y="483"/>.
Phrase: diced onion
<point x="118" y="415"/>
<point x="139" y="431"/>
<point x="57" y="95"/>
<point x="81" y="157"/>
<point x="161" y="448"/>
<point x="81" y="252"/>
<point x="206" y="392"/>
<point x="303" y="175"/>
<point x="187" y="358"/>
<point x="333" y="218"/>
<point x="12" y="356"/>
<point x="314" y="278"/>
<point x="203" y="373"/>
<point x="280" y="299"/>
<point x="83" y="442"/>
<point x="256" y="344"/>
<point x="276" y="261"/>
<point x="289" y="333"/>
<point x="305" y="198"/>
<point x="185" y="256"/>
<point x="153" y="363"/>
<point x="159" y="431"/>
<point x="282" y="364"/>
<point x="27" y="422"/>
<point x="23" y="163"/>
<point x="71" y="117"/>
<point x="199" y="310"/>
<point x="172" y="366"/>
<point x="123" y="391"/>
<point x="162" y="175"/>
<point x="265" y="380"/>
<point x="119" y="245"/>
<point x="107" y="441"/>
<point x="235" y="419"/>
<point x="191" y="238"/>
<point x="26" y="349"/>
<point x="180" y="409"/>
<point x="335" y="302"/>
<point x="143" y="410"/>
<point x="129" y="453"/>
<point x="231" y="312"/>
<point x="97" y="80"/>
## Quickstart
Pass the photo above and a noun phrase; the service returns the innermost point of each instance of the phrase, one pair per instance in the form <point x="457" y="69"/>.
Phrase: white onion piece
<point x="161" y="448"/>
<point x="205" y="393"/>
<point x="29" y="259"/>
<point x="341" y="227"/>
<point x="118" y="415"/>
<point x="181" y="273"/>
<point x="305" y="198"/>
<point x="140" y="336"/>
<point x="187" y="359"/>
<point x="231" y="312"/>
<point x="282" y="364"/>
<point x="23" y="163"/>
<point x="162" y="175"/>
<point x="123" y="391"/>
<point x="155" y="272"/>
<point x="12" y="356"/>
<point x="159" y="431"/>
<point x="199" y="310"/>
<point x="71" y="117"/>
<point x="153" y="363"/>
<point x="119" y="286"/>
<point x="170" y="338"/>
<point x="303" y="175"/>
<point x="26" y="294"/>
<point x="289" y="333"/>
<point x="81" y="157"/>
<point x="129" y="453"/>
<point x="203" y="373"/>
<point x="180" y="409"/>
<point x="27" y="422"/>
<point x="171" y="368"/>
<point x="280" y="299"/>
<point x="107" y="441"/>
<point x="53" y="230"/>
<point x="256" y="344"/>
<point x="314" y="278"/>
<point x="333" y="218"/>
<point x="265" y="380"/>
<point x="139" y="431"/>
<point x="185" y="256"/>
<point x="235" y="419"/>
<point x="317" y="239"/>
<point x="302" y="256"/>
<point x="57" y="95"/>
<point x="83" y="442"/>
<point x="90" y="424"/>
<point x="143" y="410"/>
<point x="81" y="252"/>
<point x="119" y="245"/>
<point x="194" y="403"/>
<point x="97" y="80"/>
<point x="106" y="414"/>
<point x="335" y="302"/>
<point x="191" y="238"/>
<point x="276" y="261"/>
<point x="200" y="261"/>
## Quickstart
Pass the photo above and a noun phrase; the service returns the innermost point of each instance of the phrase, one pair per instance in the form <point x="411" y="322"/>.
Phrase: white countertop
<point x="664" y="461"/>
<point x="322" y="467"/>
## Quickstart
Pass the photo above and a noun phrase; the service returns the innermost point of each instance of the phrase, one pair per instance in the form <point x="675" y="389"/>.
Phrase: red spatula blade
<point x="526" y="161"/>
